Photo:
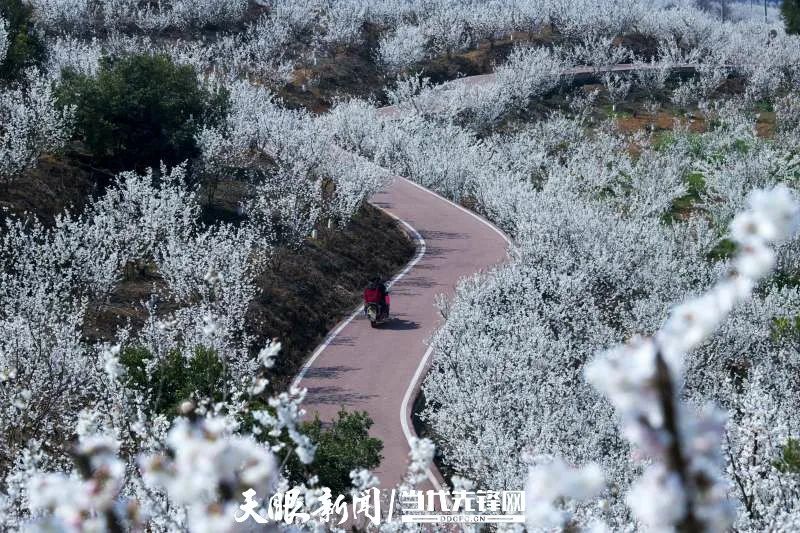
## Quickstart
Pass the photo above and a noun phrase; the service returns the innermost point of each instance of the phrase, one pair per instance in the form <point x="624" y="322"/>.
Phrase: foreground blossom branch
<point x="550" y="480"/>
<point x="86" y="500"/>
<point x="683" y="488"/>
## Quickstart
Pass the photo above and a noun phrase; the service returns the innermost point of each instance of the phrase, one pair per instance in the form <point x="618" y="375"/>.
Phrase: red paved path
<point x="373" y="369"/>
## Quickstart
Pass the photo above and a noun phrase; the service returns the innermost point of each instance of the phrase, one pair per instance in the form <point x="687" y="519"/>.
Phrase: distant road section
<point x="575" y="76"/>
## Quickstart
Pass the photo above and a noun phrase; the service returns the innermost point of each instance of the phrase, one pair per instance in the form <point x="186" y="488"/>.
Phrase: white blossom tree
<point x="404" y="47"/>
<point x="32" y="123"/>
<point x="3" y="39"/>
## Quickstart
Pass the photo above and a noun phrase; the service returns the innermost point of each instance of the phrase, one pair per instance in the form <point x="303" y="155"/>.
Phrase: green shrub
<point x="790" y="10"/>
<point x="765" y="106"/>
<point x="785" y="328"/>
<point x="662" y="141"/>
<point x="25" y="46"/>
<point x="787" y="277"/>
<point x="724" y="249"/>
<point x="174" y="378"/>
<point x="789" y="461"/>
<point x="740" y="146"/>
<point x="343" y="446"/>
<point x="682" y="206"/>
<point x="140" y="110"/>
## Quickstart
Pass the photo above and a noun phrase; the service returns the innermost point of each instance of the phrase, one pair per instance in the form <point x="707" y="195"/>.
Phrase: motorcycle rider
<point x="376" y="292"/>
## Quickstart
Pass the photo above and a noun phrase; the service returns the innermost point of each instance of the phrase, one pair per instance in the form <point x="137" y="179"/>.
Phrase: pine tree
<point x="790" y="9"/>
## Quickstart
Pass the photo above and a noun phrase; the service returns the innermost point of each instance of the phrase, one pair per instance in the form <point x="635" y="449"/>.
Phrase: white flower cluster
<point x="419" y="29"/>
<point x="289" y="201"/>
<point x="288" y="412"/>
<point x="48" y="275"/>
<point x="362" y="480"/>
<point x="528" y="73"/>
<point x="133" y="469"/>
<point x="71" y="53"/>
<point x="404" y="47"/>
<point x="421" y="457"/>
<point x="754" y="446"/>
<point x="76" y="504"/>
<point x="550" y="480"/>
<point x="598" y="50"/>
<point x="203" y="472"/>
<point x="87" y="499"/>
<point x="32" y="123"/>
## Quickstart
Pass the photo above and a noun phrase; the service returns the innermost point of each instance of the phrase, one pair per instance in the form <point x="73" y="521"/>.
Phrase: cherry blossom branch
<point x="643" y="378"/>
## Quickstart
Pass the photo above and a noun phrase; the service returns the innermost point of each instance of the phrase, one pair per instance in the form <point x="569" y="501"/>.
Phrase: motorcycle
<point x="375" y="313"/>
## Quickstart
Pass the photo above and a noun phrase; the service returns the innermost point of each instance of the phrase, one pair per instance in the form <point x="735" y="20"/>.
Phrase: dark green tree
<point x="25" y="46"/>
<point x="789" y="461"/>
<point x="342" y="446"/>
<point x="174" y="378"/>
<point x="141" y="110"/>
<point x="790" y="9"/>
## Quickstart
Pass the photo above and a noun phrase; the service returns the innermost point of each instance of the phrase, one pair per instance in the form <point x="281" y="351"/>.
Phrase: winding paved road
<point x="379" y="370"/>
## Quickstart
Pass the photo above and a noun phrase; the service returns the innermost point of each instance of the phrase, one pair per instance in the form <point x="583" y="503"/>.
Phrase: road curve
<point x="380" y="370"/>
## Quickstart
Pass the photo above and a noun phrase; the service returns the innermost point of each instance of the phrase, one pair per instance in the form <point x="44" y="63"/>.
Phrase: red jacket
<point x="373" y="296"/>
<point x="378" y="295"/>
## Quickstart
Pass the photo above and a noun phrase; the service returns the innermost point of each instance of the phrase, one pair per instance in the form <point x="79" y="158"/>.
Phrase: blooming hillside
<point x="634" y="365"/>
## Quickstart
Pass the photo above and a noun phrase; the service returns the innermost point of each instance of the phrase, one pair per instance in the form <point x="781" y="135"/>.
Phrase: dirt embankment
<point x="57" y="183"/>
<point x="308" y="292"/>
